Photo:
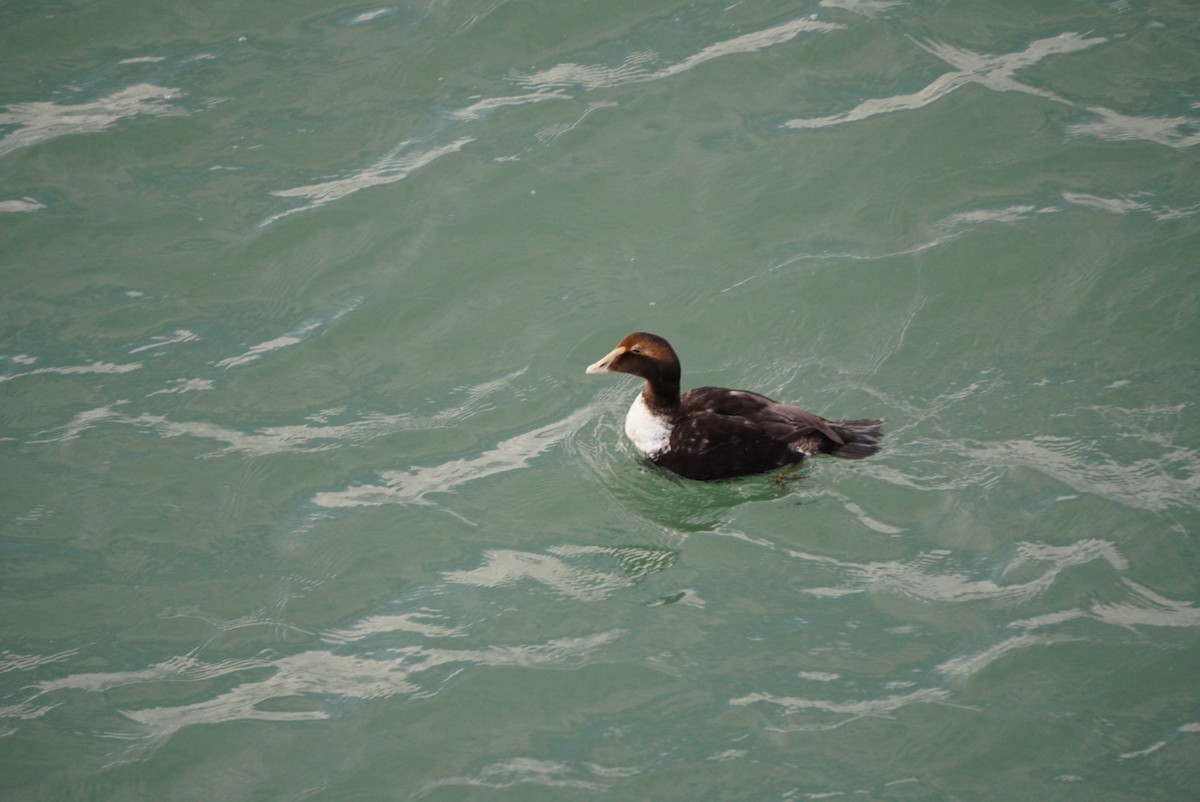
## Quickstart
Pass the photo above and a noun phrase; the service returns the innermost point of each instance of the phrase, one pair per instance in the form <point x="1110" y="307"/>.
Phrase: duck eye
<point x="635" y="349"/>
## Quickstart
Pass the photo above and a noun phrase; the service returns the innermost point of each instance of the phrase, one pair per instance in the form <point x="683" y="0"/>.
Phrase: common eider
<point x="715" y="432"/>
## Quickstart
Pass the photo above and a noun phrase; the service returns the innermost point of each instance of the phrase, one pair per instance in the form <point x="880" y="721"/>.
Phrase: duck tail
<point x="860" y="438"/>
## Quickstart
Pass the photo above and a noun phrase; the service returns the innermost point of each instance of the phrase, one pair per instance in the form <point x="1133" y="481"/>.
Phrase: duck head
<point x="648" y="356"/>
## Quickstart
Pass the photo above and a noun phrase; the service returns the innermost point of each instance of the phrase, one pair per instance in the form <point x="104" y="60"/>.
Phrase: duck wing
<point x="752" y="414"/>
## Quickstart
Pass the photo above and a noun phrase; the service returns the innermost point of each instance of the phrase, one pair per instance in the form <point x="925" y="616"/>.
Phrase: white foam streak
<point x="864" y="8"/>
<point x="750" y="43"/>
<point x="180" y="336"/>
<point x="994" y="72"/>
<point x="1153" y="483"/>
<point x="294" y="337"/>
<point x="256" y="352"/>
<point x="316" y="674"/>
<point x="482" y="107"/>
<point x="1006" y="215"/>
<point x="395" y="166"/>
<point x="420" y="623"/>
<point x="73" y="370"/>
<point x="845" y="711"/>
<point x="531" y="771"/>
<point x="931" y="577"/>
<point x="371" y="16"/>
<point x="17" y="205"/>
<point x="508" y="567"/>
<point x="40" y="121"/>
<point x="633" y="69"/>
<point x="1147" y="608"/>
<point x="1144" y="607"/>
<point x="1174" y="132"/>
<point x="245" y="689"/>
<point x="960" y="667"/>
<point x="186" y="386"/>
<point x="412" y="486"/>
<point x="848" y="256"/>
<point x="11" y="661"/>
<point x="316" y="435"/>
<point x="184" y="667"/>
<point x="1127" y="205"/>
<point x="278" y="439"/>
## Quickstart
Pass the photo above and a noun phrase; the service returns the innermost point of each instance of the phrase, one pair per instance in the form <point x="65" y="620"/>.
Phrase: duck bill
<point x="601" y="366"/>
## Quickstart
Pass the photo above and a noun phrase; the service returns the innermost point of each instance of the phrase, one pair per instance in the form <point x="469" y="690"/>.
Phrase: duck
<point x="711" y="433"/>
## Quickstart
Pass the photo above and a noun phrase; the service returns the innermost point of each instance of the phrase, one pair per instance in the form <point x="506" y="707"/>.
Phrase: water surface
<point x="305" y="494"/>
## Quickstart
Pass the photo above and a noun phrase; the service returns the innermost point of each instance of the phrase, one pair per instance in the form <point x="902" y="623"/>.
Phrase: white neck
<point x="650" y="434"/>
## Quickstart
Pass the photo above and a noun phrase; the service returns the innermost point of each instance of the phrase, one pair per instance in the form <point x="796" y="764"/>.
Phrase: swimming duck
<point x="715" y="432"/>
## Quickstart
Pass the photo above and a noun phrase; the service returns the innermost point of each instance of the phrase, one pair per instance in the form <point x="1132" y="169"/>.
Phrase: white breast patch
<point x="650" y="434"/>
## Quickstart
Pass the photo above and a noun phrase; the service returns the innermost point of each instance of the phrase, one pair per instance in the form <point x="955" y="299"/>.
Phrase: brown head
<point x="648" y="356"/>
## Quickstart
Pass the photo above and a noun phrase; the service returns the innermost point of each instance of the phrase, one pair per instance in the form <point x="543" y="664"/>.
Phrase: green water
<point x="304" y="494"/>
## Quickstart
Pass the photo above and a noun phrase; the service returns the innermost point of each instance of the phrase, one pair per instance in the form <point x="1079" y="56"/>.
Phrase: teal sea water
<point x="304" y="493"/>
